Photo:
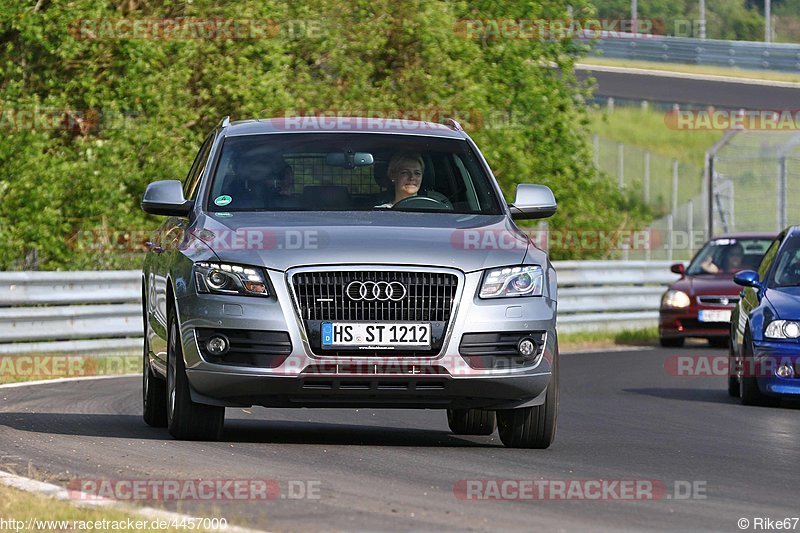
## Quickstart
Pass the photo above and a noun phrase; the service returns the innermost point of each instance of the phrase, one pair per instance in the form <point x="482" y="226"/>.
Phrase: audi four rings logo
<point x="371" y="291"/>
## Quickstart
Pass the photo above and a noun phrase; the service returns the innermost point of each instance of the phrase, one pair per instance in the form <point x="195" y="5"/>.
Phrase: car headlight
<point x="513" y="281"/>
<point x="676" y="299"/>
<point x="223" y="278"/>
<point x="782" y="329"/>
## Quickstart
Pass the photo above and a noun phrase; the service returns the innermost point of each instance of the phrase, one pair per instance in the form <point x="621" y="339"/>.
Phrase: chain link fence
<point x="672" y="189"/>
<point x="756" y="181"/>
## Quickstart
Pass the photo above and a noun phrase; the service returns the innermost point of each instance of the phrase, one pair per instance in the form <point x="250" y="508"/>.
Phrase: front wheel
<point x="154" y="393"/>
<point x="532" y="427"/>
<point x="471" y="421"/>
<point x="718" y="342"/>
<point x="672" y="342"/>
<point x="733" y="379"/>
<point x="186" y="419"/>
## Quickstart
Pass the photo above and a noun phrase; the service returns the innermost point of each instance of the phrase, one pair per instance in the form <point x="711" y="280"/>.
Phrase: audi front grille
<point x="375" y="296"/>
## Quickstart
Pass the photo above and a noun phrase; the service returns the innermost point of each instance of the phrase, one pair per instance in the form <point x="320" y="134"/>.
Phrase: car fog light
<point x="785" y="371"/>
<point x="526" y="347"/>
<point x="218" y="345"/>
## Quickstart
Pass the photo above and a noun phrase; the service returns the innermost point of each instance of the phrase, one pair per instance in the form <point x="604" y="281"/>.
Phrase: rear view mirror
<point x="533" y="201"/>
<point x="166" y="198"/>
<point x="349" y="159"/>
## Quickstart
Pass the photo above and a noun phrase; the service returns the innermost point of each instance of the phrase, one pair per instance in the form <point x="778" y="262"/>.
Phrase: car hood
<point x="708" y="285"/>
<point x="283" y="240"/>
<point x="785" y="301"/>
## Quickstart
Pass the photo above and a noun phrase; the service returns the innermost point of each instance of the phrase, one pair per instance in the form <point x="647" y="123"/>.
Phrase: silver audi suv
<point x="348" y="262"/>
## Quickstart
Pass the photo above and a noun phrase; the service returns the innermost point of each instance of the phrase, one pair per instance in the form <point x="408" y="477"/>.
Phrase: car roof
<point x="746" y="235"/>
<point x="324" y="124"/>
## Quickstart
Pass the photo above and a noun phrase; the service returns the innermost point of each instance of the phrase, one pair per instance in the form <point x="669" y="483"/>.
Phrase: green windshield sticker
<point x="223" y="200"/>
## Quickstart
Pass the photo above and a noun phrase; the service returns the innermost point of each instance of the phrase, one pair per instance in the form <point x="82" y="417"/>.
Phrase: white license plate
<point x="714" y="315"/>
<point x="370" y="336"/>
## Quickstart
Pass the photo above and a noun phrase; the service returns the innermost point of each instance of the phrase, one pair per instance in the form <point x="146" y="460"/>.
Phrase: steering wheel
<point x="421" y="202"/>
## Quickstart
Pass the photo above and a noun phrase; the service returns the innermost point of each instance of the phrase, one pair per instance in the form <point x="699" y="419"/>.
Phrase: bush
<point x="136" y="110"/>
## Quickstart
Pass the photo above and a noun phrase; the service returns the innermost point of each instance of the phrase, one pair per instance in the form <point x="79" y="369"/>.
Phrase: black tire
<point x="154" y="393"/>
<point x="733" y="379"/>
<point x="749" y="392"/>
<point x="187" y="420"/>
<point x="672" y="342"/>
<point x="532" y="427"/>
<point x="718" y="342"/>
<point x="733" y="386"/>
<point x="471" y="421"/>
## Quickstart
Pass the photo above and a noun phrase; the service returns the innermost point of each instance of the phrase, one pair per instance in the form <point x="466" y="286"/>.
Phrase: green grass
<point x="599" y="339"/>
<point x="641" y="130"/>
<point x="695" y="69"/>
<point x="23" y="506"/>
<point x="646" y="129"/>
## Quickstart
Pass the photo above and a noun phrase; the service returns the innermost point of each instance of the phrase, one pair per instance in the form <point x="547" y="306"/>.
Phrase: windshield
<point x="728" y="256"/>
<point x="787" y="266"/>
<point x="350" y="172"/>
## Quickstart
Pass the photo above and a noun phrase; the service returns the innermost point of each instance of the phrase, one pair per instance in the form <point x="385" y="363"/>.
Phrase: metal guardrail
<point x="100" y="312"/>
<point x="79" y="312"/>
<point x="610" y="295"/>
<point x="741" y="54"/>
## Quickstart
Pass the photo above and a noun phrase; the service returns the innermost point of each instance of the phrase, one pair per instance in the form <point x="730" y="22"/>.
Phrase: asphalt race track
<point x="664" y="87"/>
<point x="622" y="418"/>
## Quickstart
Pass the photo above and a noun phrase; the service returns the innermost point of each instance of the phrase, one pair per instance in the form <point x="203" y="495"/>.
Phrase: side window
<point x="769" y="257"/>
<point x="193" y="178"/>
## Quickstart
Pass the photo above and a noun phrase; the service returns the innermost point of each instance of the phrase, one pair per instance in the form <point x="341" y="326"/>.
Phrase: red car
<point x="700" y="303"/>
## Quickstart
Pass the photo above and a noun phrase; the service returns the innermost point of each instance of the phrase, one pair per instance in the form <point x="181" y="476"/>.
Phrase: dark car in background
<point x="699" y="304"/>
<point x="765" y="327"/>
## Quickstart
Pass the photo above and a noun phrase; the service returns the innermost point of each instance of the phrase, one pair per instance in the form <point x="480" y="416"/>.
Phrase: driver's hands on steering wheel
<point x="423" y="202"/>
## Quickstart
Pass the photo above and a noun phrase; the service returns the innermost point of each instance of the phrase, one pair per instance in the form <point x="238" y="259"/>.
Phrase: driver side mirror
<point x="533" y="201"/>
<point x="166" y="198"/>
<point x="747" y="278"/>
<point x="678" y="268"/>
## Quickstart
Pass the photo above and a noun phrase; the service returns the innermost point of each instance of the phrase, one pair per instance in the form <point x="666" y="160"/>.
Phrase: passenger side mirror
<point x="678" y="268"/>
<point x="166" y="198"/>
<point x="533" y="201"/>
<point x="747" y="278"/>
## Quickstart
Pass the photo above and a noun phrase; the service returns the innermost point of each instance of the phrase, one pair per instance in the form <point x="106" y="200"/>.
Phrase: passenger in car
<point x="259" y="182"/>
<point x="733" y="259"/>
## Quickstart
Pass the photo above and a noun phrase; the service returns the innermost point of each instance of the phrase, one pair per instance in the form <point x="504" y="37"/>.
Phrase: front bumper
<point x="304" y="379"/>
<point x="674" y="323"/>
<point x="769" y="356"/>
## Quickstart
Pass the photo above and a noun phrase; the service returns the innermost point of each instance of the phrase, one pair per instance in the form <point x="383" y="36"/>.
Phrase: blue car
<point x="765" y="326"/>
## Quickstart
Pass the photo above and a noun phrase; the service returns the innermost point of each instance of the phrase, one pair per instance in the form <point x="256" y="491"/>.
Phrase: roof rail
<point x="454" y="125"/>
<point x="225" y="122"/>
